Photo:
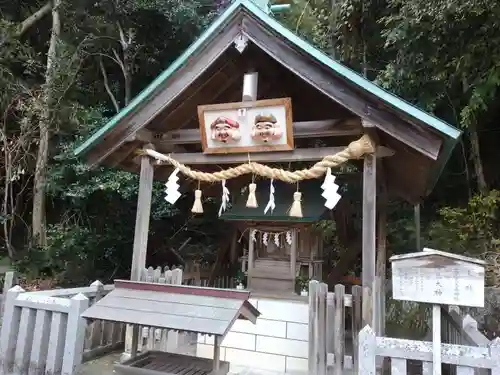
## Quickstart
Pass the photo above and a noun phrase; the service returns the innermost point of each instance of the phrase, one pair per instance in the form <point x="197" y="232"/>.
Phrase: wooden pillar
<point x="417" y="226"/>
<point x="142" y="218"/>
<point x="369" y="238"/>
<point x="216" y="367"/>
<point x="234" y="243"/>
<point x="381" y="260"/>
<point x="251" y="257"/>
<point x="293" y="254"/>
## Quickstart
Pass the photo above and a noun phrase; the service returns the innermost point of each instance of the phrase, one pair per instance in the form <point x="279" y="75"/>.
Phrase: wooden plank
<point x="10" y="329"/>
<point x="293" y="254"/>
<point x="303" y="129"/>
<point x="313" y="311"/>
<point x="25" y="340"/>
<point x="356" y="322"/>
<point x="75" y="335"/>
<point x="321" y="329"/>
<point x="426" y="142"/>
<point x="459" y="355"/>
<point x="40" y="338"/>
<point x="494" y="351"/>
<point x="166" y="93"/>
<point x="339" y="330"/>
<point x="367" y="346"/>
<point x="369" y="236"/>
<point x="142" y="218"/>
<point x="398" y="366"/>
<point x="299" y="154"/>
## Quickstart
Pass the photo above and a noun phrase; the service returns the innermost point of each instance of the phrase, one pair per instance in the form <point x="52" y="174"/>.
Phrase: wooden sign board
<point x="437" y="277"/>
<point x="260" y="126"/>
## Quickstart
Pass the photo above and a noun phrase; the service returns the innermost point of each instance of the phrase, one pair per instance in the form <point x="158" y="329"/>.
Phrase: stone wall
<point x="278" y="342"/>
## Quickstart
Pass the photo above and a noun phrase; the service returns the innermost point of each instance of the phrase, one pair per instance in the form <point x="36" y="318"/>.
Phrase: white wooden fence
<point x="465" y="359"/>
<point x="42" y="332"/>
<point x="333" y="348"/>
<point x="161" y="339"/>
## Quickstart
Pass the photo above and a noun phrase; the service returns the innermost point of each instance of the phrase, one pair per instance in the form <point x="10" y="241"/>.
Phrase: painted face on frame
<point x="266" y="128"/>
<point x="225" y="130"/>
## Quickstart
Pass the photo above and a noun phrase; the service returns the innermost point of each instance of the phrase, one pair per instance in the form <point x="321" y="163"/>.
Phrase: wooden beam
<point x="299" y="154"/>
<point x="426" y="142"/>
<point x="303" y="129"/>
<point x="142" y="135"/>
<point x="369" y="237"/>
<point x="142" y="218"/>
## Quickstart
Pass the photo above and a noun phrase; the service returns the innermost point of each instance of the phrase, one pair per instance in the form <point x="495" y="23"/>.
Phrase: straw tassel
<point x="197" y="206"/>
<point x="252" y="200"/>
<point x="296" y="209"/>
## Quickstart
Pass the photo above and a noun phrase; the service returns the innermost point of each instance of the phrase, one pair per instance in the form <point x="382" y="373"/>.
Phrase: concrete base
<point x="277" y="343"/>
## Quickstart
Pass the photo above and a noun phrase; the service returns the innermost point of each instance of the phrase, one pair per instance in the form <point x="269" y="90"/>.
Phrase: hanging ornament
<point x="288" y="237"/>
<point x="277" y="239"/>
<point x="252" y="200"/>
<point x="270" y="205"/>
<point x="197" y="206"/>
<point x="265" y="238"/>
<point x="330" y="189"/>
<point x="225" y="198"/>
<point x="296" y="209"/>
<point x="253" y="234"/>
<point x="172" y="188"/>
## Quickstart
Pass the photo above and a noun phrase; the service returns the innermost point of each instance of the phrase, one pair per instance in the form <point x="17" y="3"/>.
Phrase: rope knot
<point x="361" y="147"/>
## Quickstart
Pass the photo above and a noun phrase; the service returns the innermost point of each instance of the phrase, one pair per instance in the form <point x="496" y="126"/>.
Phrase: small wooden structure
<point x="180" y="308"/>
<point x="332" y="106"/>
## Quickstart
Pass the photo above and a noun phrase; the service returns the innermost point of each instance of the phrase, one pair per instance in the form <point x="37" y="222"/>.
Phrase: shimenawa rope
<point x="355" y="150"/>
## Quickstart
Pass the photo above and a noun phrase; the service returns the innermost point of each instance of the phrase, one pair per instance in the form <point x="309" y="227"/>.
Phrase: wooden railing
<point x="465" y="360"/>
<point x="39" y="326"/>
<point x="331" y="345"/>
<point x="461" y="329"/>
<point x="199" y="275"/>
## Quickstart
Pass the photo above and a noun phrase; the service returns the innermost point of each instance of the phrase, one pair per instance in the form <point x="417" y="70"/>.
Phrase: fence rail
<point x="329" y="342"/>
<point x="464" y="359"/>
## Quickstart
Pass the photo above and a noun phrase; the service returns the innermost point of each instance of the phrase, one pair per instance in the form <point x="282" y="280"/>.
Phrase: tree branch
<point x="34" y="18"/>
<point x="106" y="86"/>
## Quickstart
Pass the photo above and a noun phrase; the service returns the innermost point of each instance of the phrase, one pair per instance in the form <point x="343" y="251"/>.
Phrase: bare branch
<point x="106" y="86"/>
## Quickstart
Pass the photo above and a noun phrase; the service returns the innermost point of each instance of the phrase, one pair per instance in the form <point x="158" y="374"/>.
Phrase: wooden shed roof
<point x="422" y="141"/>
<point x="177" y="307"/>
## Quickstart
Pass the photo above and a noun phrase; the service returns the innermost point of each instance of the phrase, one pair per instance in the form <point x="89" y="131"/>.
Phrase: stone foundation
<point x="278" y="342"/>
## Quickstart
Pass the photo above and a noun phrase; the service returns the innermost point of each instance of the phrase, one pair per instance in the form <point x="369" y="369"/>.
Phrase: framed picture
<point x="260" y="126"/>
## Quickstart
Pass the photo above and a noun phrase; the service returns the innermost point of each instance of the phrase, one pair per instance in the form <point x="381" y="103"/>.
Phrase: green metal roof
<point x="451" y="134"/>
<point x="313" y="204"/>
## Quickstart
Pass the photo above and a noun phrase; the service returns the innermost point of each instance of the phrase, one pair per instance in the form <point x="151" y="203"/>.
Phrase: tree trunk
<point x="475" y="155"/>
<point x="39" y="214"/>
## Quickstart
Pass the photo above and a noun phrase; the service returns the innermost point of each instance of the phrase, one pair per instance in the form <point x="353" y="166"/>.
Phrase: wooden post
<point x="142" y="218"/>
<point x="417" y="226"/>
<point x="367" y="345"/>
<point x="293" y="255"/>
<point x="9" y="281"/>
<point x="381" y="261"/>
<point x="234" y="243"/>
<point x="75" y="334"/>
<point x="251" y="256"/>
<point x="313" y="322"/>
<point x="217" y="341"/>
<point x="436" y="340"/>
<point x="369" y="238"/>
<point x="10" y="329"/>
<point x="250" y="86"/>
